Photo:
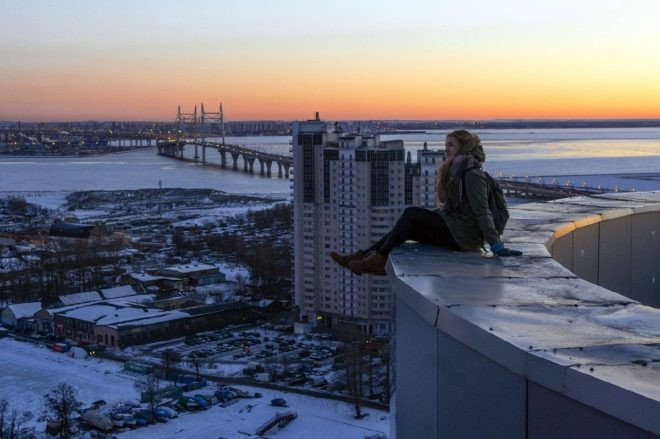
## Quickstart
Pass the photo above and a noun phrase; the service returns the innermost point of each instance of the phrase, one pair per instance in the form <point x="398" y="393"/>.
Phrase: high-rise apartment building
<point x="348" y="191"/>
<point x="428" y="163"/>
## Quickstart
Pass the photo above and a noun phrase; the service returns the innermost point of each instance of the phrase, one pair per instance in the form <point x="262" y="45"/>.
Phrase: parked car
<point x="278" y="402"/>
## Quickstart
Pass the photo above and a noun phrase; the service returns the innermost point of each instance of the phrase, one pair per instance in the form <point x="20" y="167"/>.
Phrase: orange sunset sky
<point x="121" y="60"/>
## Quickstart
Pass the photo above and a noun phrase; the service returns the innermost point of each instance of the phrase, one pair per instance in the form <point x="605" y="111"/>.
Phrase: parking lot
<point x="251" y="350"/>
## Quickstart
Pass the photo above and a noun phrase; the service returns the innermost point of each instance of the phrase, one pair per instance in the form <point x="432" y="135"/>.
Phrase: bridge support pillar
<point x="269" y="163"/>
<point x="251" y="164"/>
<point x="261" y="166"/>
<point x="286" y="170"/>
<point x="196" y="154"/>
<point x="204" y="154"/>
<point x="234" y="156"/>
<point x="223" y="158"/>
<point x="279" y="169"/>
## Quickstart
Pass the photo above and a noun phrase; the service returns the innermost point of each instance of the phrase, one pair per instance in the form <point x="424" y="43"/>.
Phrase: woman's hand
<point x="500" y="250"/>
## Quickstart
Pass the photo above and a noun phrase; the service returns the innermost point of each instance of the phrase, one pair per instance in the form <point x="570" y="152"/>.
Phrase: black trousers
<point x="416" y="224"/>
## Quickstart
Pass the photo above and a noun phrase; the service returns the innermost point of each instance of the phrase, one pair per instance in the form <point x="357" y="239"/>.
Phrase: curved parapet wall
<point x="533" y="346"/>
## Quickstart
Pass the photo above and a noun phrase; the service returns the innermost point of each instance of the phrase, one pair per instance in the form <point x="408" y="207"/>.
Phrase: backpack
<point x="497" y="204"/>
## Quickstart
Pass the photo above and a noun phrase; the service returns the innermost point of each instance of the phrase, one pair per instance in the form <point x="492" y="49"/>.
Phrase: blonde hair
<point x="466" y="143"/>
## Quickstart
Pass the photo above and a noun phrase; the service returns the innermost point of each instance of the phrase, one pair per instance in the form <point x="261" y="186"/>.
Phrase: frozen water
<point x="133" y="170"/>
<point x="545" y="152"/>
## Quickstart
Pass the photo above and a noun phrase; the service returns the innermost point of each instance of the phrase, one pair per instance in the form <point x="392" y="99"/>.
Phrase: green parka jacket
<point x="471" y="222"/>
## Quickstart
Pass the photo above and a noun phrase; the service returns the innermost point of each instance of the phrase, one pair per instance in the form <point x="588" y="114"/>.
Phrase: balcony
<point x="538" y="346"/>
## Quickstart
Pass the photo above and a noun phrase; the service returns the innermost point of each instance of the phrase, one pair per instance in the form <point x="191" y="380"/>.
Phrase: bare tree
<point x="61" y="404"/>
<point x="79" y="254"/>
<point x="196" y="362"/>
<point x="114" y="247"/>
<point x="385" y="355"/>
<point x="148" y="387"/>
<point x="353" y="365"/>
<point x="11" y="424"/>
<point x="15" y="423"/>
<point x="4" y="408"/>
<point x="170" y="359"/>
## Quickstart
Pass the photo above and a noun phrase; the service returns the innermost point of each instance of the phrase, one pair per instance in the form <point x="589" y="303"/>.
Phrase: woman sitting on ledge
<point x="462" y="222"/>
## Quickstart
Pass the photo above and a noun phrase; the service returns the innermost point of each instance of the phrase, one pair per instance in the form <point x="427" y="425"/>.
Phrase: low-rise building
<point x="192" y="269"/>
<point x="194" y="273"/>
<point x="145" y="280"/>
<point x="78" y="298"/>
<point x="115" y="323"/>
<point x="45" y="318"/>
<point x="20" y="315"/>
<point x="73" y="232"/>
<point x="118" y="292"/>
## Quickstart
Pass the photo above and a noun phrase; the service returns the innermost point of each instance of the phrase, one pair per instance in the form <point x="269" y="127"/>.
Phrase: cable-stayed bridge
<point x="206" y="125"/>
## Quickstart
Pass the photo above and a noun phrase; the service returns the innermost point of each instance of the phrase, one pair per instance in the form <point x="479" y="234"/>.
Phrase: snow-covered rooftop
<point x="121" y="301"/>
<point x="143" y="277"/>
<point x="24" y="310"/>
<point x="73" y="299"/>
<point x="108" y="314"/>
<point x="122" y="291"/>
<point x="155" y="318"/>
<point x="132" y="300"/>
<point x="190" y="268"/>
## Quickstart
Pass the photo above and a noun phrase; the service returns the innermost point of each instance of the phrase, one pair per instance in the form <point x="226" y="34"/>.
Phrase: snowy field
<point x="212" y="215"/>
<point x="30" y="371"/>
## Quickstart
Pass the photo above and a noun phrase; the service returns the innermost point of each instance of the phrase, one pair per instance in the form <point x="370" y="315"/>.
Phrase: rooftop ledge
<point x="535" y="346"/>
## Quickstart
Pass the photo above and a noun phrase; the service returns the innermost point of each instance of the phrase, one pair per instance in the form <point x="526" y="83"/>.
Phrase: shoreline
<point x="66" y="156"/>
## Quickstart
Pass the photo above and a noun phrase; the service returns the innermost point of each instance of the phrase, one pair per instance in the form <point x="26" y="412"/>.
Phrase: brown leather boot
<point x="372" y="264"/>
<point x="343" y="260"/>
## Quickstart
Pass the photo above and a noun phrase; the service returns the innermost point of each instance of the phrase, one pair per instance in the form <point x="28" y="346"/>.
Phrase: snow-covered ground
<point x="30" y="371"/>
<point x="233" y="272"/>
<point x="317" y="419"/>
<point x="47" y="199"/>
<point x="212" y="215"/>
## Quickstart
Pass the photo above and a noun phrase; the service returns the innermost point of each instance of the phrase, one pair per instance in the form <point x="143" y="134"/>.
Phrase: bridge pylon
<point x="209" y="117"/>
<point x="184" y="120"/>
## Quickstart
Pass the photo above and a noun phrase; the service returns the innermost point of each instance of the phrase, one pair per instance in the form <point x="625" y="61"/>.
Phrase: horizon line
<point x="594" y="119"/>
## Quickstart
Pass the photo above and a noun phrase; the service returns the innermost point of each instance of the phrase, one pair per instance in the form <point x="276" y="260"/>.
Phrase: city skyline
<point x="264" y="61"/>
